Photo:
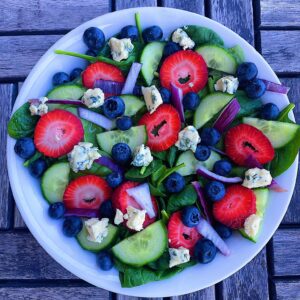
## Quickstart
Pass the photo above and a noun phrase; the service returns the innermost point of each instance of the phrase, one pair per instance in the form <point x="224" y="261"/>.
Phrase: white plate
<point x="48" y="232"/>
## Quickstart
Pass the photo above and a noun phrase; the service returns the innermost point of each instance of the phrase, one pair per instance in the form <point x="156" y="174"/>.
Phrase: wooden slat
<point x="196" y="6"/>
<point x="41" y="15"/>
<point x="280" y="13"/>
<point x="286" y="252"/>
<point x="122" y="4"/>
<point x="206" y="294"/>
<point x="279" y="48"/>
<point x="123" y="297"/>
<point x="236" y="15"/>
<point x="18" y="220"/>
<point x="287" y="289"/>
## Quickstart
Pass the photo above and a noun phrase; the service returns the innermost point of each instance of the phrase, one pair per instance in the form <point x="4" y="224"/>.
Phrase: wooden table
<point x="28" y="29"/>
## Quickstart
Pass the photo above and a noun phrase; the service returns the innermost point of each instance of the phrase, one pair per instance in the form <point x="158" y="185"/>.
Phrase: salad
<point x="158" y="150"/>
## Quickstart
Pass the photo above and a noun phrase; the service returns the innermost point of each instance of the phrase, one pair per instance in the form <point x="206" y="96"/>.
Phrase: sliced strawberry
<point x="87" y="192"/>
<point x="121" y="200"/>
<point x="101" y="70"/>
<point x="162" y="127"/>
<point x="236" y="206"/>
<point x="57" y="132"/>
<point x="243" y="141"/>
<point x="186" y="69"/>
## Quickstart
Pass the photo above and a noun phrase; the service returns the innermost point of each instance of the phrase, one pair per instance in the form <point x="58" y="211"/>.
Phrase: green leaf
<point x="284" y="114"/>
<point x="238" y="53"/>
<point x="172" y="156"/>
<point x="36" y="156"/>
<point x="96" y="169"/>
<point x="135" y="174"/>
<point x="158" y="173"/>
<point x="162" y="263"/>
<point x="160" y="155"/>
<point x="90" y="131"/>
<point x="249" y="107"/>
<point x="138" y="24"/>
<point x="156" y="191"/>
<point x="168" y="172"/>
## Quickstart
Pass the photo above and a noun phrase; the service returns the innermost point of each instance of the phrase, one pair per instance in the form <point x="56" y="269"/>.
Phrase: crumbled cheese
<point x="251" y="225"/>
<point x="227" y="84"/>
<point x="97" y="229"/>
<point x="152" y="98"/>
<point x="135" y="218"/>
<point x="255" y="178"/>
<point x="142" y="156"/>
<point x="178" y="256"/>
<point x="120" y="48"/>
<point x="119" y="217"/>
<point x="83" y="156"/>
<point x="188" y="138"/>
<point x="93" y="98"/>
<point x="180" y="37"/>
<point x="38" y="107"/>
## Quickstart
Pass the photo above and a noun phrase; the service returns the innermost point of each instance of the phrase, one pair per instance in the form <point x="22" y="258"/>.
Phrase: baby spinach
<point x="135" y="173"/>
<point x="36" y="156"/>
<point x="158" y="173"/>
<point x="168" y="172"/>
<point x="161" y="263"/>
<point x="90" y="131"/>
<point x="284" y="114"/>
<point x="157" y="191"/>
<point x="96" y="169"/>
<point x="172" y="156"/>
<point x="160" y="155"/>
<point x="249" y="107"/>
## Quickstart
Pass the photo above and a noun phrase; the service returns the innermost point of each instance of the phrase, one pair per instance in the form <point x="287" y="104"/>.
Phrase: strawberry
<point x="236" y="206"/>
<point x="186" y="69"/>
<point x="162" y="127"/>
<point x="121" y="200"/>
<point x="101" y="70"/>
<point x="57" y="132"/>
<point x="243" y="141"/>
<point x="87" y="192"/>
<point x="180" y="235"/>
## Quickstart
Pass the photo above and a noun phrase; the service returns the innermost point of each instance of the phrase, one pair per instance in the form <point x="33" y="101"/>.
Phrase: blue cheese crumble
<point x="142" y="156"/>
<point x="38" y="107"/>
<point x="178" y="256"/>
<point x="252" y="224"/>
<point x="120" y="48"/>
<point x="97" y="229"/>
<point x="93" y="98"/>
<point x="135" y="218"/>
<point x="255" y="178"/>
<point x="227" y="84"/>
<point x="180" y="37"/>
<point x="188" y="138"/>
<point x="152" y="98"/>
<point x="119" y="217"/>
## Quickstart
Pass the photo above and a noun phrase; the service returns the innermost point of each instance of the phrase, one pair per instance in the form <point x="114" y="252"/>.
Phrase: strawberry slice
<point x="101" y="70"/>
<point x="180" y="235"/>
<point x="121" y="200"/>
<point x="236" y="206"/>
<point x="87" y="192"/>
<point x="186" y="69"/>
<point x="162" y="127"/>
<point x="243" y="141"/>
<point x="57" y="132"/>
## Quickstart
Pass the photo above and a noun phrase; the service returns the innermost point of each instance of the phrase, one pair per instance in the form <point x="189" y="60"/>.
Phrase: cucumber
<point x="54" y="182"/>
<point x="209" y="107"/>
<point x="238" y="53"/>
<point x="191" y="163"/>
<point x="150" y="59"/>
<point x="71" y="109"/>
<point x="279" y="133"/>
<point x="111" y="237"/>
<point x="134" y="137"/>
<point x="66" y="91"/>
<point x="218" y="58"/>
<point x="132" y="104"/>
<point x="143" y="247"/>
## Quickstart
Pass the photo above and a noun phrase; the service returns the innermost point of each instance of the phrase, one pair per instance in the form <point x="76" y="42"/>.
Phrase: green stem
<point x="286" y="111"/>
<point x="169" y="172"/>
<point x="137" y="17"/>
<point x="83" y="56"/>
<point x="143" y="170"/>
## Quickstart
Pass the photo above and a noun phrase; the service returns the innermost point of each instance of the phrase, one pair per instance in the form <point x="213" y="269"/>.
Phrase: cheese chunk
<point x="97" y="229"/>
<point x="120" y="48"/>
<point x="188" y="138"/>
<point x="255" y="178"/>
<point x="93" y="98"/>
<point x="152" y="98"/>
<point x="178" y="256"/>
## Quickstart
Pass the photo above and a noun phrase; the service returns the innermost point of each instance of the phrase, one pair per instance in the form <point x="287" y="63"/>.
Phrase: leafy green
<point x="284" y="114"/>
<point x="203" y="93"/>
<point x="161" y="263"/>
<point x="249" y="107"/>
<point x="157" y="191"/>
<point x="160" y="155"/>
<point x="36" y="156"/>
<point x="135" y="174"/>
<point x="158" y="173"/>
<point x="96" y="169"/>
<point x="238" y="53"/>
<point x="172" y="156"/>
<point x="138" y="24"/>
<point x="168" y="172"/>
<point x="90" y="131"/>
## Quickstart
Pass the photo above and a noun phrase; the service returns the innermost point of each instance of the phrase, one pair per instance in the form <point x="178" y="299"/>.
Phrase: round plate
<point x="48" y="232"/>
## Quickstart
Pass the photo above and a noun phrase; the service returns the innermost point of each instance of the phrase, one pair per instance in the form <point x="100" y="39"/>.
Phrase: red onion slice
<point x="82" y="212"/>
<point x="109" y="163"/>
<point x="177" y="96"/>
<point x="131" y="78"/>
<point x="275" y="87"/>
<point x="115" y="88"/>
<point x="252" y="162"/>
<point x="274" y="186"/>
<point x="202" y="171"/>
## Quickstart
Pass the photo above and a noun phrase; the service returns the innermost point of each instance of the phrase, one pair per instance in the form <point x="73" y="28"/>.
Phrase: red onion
<point x="131" y="78"/>
<point x="202" y="171"/>
<point x="82" y="212"/>
<point x="275" y="87"/>
<point x="252" y="162"/>
<point x="115" y="88"/>
<point x="176" y="96"/>
<point x="218" y="150"/>
<point x="57" y="101"/>
<point x="109" y="163"/>
<point x="274" y="186"/>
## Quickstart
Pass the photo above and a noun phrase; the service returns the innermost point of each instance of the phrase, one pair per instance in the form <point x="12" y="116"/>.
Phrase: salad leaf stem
<point x="75" y="54"/>
<point x="283" y="117"/>
<point x="143" y="169"/>
<point x="169" y="172"/>
<point x="137" y="17"/>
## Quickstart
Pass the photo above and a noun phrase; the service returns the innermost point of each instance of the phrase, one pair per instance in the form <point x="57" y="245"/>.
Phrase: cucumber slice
<point x="71" y="109"/>
<point x="67" y="91"/>
<point x="150" y="59"/>
<point x="134" y="137"/>
<point x="218" y="58"/>
<point x="143" y="247"/>
<point x="209" y="107"/>
<point x="54" y="182"/>
<point x="132" y="104"/>
<point x="86" y="244"/>
<point x="279" y="133"/>
<point x="191" y="163"/>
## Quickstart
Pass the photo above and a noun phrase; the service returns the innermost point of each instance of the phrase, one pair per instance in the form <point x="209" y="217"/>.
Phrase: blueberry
<point x="60" y="78"/>
<point x="202" y="152"/>
<point x="91" y="52"/>
<point x="37" y="167"/>
<point x="165" y="95"/>
<point x="171" y="48"/>
<point x="130" y="32"/>
<point x="191" y="101"/>
<point x="24" y="147"/>
<point x="124" y="123"/>
<point x="94" y="38"/>
<point x="269" y="111"/>
<point x="222" y="167"/>
<point x="72" y="226"/>
<point x="75" y="73"/>
<point x="205" y="251"/>
<point x="223" y="231"/>
<point x="114" y="179"/>
<point x="190" y="216"/>
<point x="174" y="183"/>
<point x="106" y="210"/>
<point x="210" y="136"/>
<point x="113" y="107"/>
<point x="105" y="261"/>
<point x="255" y="88"/>
<point x="151" y="34"/>
<point x="121" y="153"/>
<point x="215" y="190"/>
<point x="246" y="71"/>
<point x="56" y="210"/>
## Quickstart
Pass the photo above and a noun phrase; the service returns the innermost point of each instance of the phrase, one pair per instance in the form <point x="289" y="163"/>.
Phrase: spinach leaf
<point x="90" y="131"/>
<point x="36" y="156"/>
<point x="135" y="173"/>
<point x="161" y="263"/>
<point x="284" y="114"/>
<point x="249" y="107"/>
<point x="168" y="172"/>
<point x="160" y="155"/>
<point x="172" y="156"/>
<point x="157" y="191"/>
<point x="158" y="173"/>
<point x="96" y="169"/>
<point x="238" y="53"/>
<point x="203" y="93"/>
